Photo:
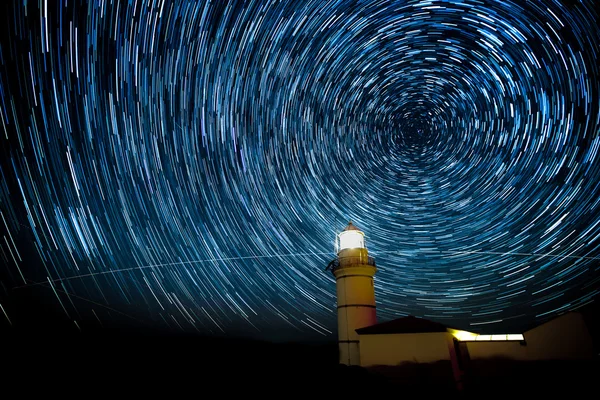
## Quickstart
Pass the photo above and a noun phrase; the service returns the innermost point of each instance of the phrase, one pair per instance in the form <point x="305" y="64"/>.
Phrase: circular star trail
<point x="187" y="165"/>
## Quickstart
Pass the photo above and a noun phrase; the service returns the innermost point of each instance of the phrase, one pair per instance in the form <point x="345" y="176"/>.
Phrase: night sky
<point x="185" y="166"/>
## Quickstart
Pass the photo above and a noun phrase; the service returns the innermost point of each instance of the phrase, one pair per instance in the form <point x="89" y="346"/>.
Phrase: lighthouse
<point x="354" y="271"/>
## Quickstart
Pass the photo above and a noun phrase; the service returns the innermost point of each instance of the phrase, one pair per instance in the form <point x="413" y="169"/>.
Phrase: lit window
<point x="463" y="336"/>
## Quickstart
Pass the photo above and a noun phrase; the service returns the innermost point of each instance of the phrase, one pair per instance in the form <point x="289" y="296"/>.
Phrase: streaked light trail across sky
<point x="463" y="137"/>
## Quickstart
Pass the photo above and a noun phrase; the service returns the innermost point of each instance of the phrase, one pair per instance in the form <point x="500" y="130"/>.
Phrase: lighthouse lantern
<point x="351" y="238"/>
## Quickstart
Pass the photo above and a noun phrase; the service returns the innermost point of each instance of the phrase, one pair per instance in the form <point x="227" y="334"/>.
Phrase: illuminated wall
<point x="483" y="350"/>
<point x="394" y="349"/>
<point x="563" y="338"/>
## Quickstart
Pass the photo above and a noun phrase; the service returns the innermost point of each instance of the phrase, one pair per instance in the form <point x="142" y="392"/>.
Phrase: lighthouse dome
<point x="351" y="227"/>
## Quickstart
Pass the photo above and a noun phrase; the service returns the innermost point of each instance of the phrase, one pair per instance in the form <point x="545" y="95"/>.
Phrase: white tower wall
<point x="355" y="300"/>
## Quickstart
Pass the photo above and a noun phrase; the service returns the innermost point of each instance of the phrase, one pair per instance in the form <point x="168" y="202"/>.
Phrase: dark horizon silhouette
<point x="136" y="359"/>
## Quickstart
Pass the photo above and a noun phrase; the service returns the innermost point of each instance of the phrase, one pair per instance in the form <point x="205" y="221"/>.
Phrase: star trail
<point x="186" y="165"/>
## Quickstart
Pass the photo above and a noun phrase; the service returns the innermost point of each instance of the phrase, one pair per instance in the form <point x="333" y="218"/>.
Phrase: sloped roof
<point x="408" y="324"/>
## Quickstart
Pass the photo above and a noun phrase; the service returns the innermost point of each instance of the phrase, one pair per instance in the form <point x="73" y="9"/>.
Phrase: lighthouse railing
<point x="335" y="263"/>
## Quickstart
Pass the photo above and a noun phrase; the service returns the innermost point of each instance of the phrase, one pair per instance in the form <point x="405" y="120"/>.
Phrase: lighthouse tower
<point x="353" y="270"/>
